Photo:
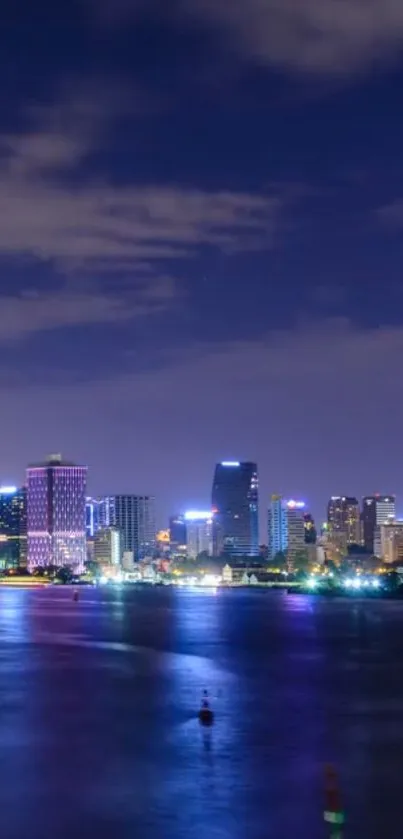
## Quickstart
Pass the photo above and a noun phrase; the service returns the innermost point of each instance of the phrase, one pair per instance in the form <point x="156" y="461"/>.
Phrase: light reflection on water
<point x="99" y="733"/>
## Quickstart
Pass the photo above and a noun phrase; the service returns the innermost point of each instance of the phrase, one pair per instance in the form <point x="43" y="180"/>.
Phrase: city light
<point x="312" y="582"/>
<point x="198" y="515"/>
<point x="210" y="580"/>
<point x="7" y="490"/>
<point x="295" y="505"/>
<point x="230" y="463"/>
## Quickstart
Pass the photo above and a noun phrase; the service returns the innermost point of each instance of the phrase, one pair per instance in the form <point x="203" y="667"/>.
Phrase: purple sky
<point x="201" y="215"/>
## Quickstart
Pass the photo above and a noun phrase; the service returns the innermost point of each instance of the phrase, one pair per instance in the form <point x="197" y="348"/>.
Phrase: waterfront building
<point x="376" y="510"/>
<point x="134" y="516"/>
<point x="13" y="527"/>
<point x="277" y="527"/>
<point x="344" y="521"/>
<point x="235" y="503"/>
<point x="199" y="533"/>
<point x="177" y="535"/>
<point x="56" y="513"/>
<point x="107" y="549"/>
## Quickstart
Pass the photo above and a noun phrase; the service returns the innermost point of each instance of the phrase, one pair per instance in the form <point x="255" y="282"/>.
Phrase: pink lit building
<point x="56" y="496"/>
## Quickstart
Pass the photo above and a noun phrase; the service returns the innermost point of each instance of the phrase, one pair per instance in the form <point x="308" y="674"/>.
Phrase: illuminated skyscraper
<point x="199" y="533"/>
<point x="286" y="532"/>
<point x="13" y="527"/>
<point x="134" y="516"/>
<point x="235" y="507"/>
<point x="376" y="510"/>
<point x="91" y="517"/>
<point x="295" y="530"/>
<point x="344" y="522"/>
<point x="277" y="527"/>
<point x="177" y="534"/>
<point x="56" y="513"/>
<point x="107" y="546"/>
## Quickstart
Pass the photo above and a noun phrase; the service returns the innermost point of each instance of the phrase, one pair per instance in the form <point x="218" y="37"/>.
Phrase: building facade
<point x="277" y="527"/>
<point x="235" y="501"/>
<point x="311" y="535"/>
<point x="107" y="550"/>
<point x="134" y="516"/>
<point x="56" y="513"/>
<point x="177" y="535"/>
<point x="376" y="510"/>
<point x="91" y="517"/>
<point x="13" y="527"/>
<point x="199" y="533"/>
<point x="286" y="532"/>
<point x="391" y="538"/>
<point x="344" y="521"/>
<point x="295" y="530"/>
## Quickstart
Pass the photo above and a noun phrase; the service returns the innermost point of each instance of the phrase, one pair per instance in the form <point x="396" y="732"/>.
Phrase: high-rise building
<point x="310" y="530"/>
<point x="277" y="527"/>
<point x="286" y="533"/>
<point x="134" y="516"/>
<point x="295" y="530"/>
<point x="235" y="502"/>
<point x="56" y="513"/>
<point x="13" y="527"/>
<point x="107" y="546"/>
<point x="344" y="522"/>
<point x="391" y="538"/>
<point x="199" y="533"/>
<point x="177" y="534"/>
<point x="91" y="517"/>
<point x="376" y="510"/>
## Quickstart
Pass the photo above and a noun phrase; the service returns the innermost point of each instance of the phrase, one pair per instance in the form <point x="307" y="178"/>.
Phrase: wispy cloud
<point x="43" y="216"/>
<point x="27" y="313"/>
<point x="87" y="228"/>
<point x="338" y="36"/>
<point x="315" y="36"/>
<point x="392" y="214"/>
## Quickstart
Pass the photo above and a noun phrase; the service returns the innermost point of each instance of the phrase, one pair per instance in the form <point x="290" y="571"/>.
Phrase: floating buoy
<point x="206" y="715"/>
<point x="333" y="814"/>
<point x="75" y="595"/>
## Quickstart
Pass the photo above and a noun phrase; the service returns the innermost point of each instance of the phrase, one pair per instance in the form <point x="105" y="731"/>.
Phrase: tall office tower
<point x="107" y="546"/>
<point x="56" y="513"/>
<point x="295" y="530"/>
<point x="344" y="522"/>
<point x="134" y="516"/>
<point x="199" y="533"/>
<point x="376" y="510"/>
<point x="310" y="530"/>
<point x="91" y="517"/>
<point x="13" y="527"/>
<point x="391" y="539"/>
<point x="277" y="527"/>
<point x="235" y="506"/>
<point x="177" y="534"/>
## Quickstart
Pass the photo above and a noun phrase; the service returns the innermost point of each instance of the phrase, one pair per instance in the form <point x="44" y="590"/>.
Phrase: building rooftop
<point x="54" y="460"/>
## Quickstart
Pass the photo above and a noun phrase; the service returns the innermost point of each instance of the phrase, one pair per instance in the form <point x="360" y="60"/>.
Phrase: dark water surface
<point x="98" y="714"/>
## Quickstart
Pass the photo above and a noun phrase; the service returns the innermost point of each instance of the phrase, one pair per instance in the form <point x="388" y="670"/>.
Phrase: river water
<point x="99" y="734"/>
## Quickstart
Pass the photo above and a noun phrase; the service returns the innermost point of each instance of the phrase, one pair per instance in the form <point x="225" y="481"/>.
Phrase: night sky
<point x="201" y="243"/>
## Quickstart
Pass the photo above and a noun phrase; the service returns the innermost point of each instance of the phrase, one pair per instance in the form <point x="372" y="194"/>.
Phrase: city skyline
<point x="165" y="509"/>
